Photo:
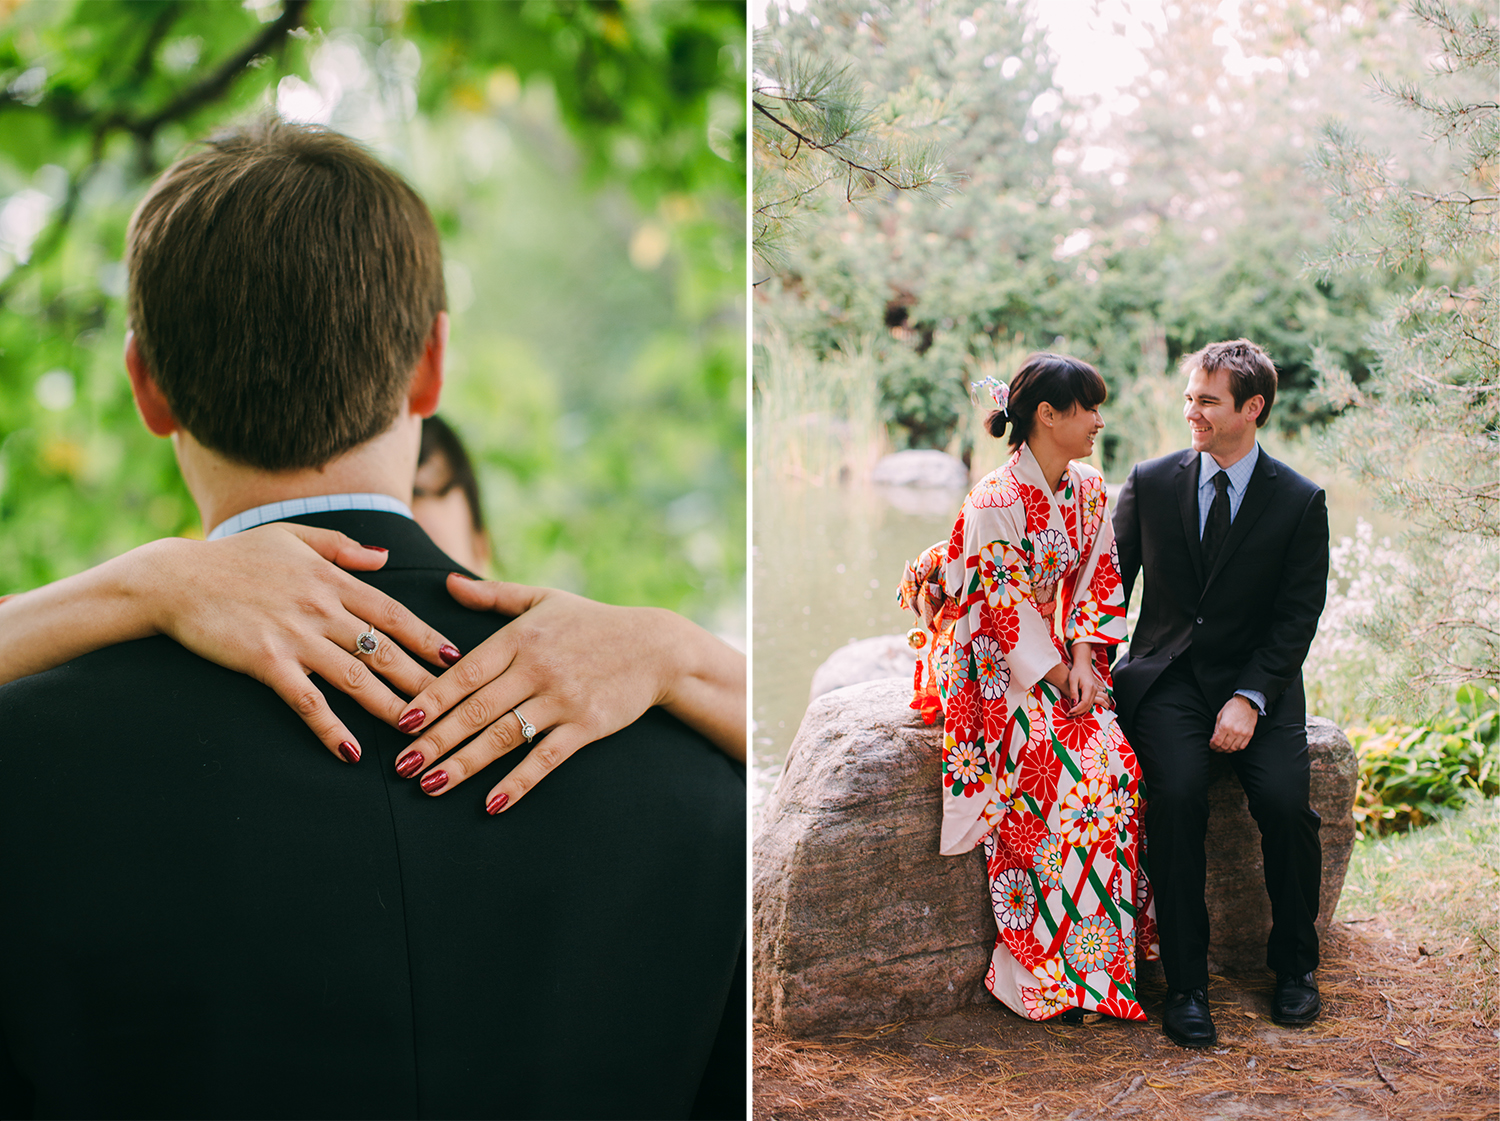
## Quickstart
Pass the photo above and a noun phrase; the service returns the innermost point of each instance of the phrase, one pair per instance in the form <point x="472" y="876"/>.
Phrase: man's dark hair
<point x="1060" y="381"/>
<point x="440" y="441"/>
<point x="283" y="285"/>
<point x="1251" y="371"/>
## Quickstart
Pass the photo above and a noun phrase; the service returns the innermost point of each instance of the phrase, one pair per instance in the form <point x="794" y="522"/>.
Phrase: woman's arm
<point x="579" y="668"/>
<point x="266" y="602"/>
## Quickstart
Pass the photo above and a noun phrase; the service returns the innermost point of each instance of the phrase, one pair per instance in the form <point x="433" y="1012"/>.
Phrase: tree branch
<point x="213" y="87"/>
<point x="210" y="89"/>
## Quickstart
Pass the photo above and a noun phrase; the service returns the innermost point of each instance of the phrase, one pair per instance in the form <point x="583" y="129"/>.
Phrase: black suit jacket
<point x="1250" y="621"/>
<point x="207" y="915"/>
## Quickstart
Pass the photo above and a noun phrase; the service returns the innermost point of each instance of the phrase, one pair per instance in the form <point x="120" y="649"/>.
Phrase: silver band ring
<point x="528" y="729"/>
<point x="367" y="643"/>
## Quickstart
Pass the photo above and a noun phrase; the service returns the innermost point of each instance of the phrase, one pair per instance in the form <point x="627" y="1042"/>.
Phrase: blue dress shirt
<point x="1239" y="478"/>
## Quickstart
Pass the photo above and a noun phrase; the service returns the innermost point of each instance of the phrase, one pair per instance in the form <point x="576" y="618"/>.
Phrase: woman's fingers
<point x="337" y="547"/>
<point x="540" y="761"/>
<point x="483" y="666"/>
<point x="479" y="712"/>
<point x="369" y="604"/>
<point x="304" y="698"/>
<point x="376" y="609"/>
<point x="363" y="676"/>
<point x="500" y="738"/>
<point x="494" y="595"/>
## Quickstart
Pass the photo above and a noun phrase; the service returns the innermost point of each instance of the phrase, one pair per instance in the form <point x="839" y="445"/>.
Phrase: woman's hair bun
<point x="996" y="422"/>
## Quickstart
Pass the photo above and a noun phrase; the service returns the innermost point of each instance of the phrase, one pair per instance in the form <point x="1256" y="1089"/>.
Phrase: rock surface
<point x="932" y="470"/>
<point x="858" y="921"/>
<point x="865" y="659"/>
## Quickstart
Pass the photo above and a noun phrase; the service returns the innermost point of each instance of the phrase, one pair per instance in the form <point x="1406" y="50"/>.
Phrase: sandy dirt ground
<point x="1400" y="1037"/>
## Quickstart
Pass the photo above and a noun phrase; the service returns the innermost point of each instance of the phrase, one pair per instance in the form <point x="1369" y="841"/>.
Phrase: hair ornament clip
<point x="998" y="390"/>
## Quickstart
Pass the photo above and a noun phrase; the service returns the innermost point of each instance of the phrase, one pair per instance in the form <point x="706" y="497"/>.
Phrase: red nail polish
<point x="349" y="751"/>
<point x="449" y="653"/>
<point x="412" y="720"/>
<point x="434" y="781"/>
<point x="377" y="549"/>
<point x="497" y="803"/>
<point x="409" y="763"/>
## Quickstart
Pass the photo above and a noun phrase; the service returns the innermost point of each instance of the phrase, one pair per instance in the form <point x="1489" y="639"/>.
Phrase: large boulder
<point x="929" y="470"/>
<point x="859" y="921"/>
<point x="864" y="659"/>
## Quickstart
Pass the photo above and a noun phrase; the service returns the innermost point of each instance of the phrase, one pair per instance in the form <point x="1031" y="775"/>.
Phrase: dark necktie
<point x="1217" y="526"/>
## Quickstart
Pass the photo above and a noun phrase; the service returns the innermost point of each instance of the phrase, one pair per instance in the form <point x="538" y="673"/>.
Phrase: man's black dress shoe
<point x="1186" y="1019"/>
<point x="1296" y="1001"/>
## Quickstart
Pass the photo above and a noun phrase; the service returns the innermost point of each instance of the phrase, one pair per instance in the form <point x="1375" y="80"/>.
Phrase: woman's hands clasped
<point x="577" y="671"/>
<point x="1078" y="682"/>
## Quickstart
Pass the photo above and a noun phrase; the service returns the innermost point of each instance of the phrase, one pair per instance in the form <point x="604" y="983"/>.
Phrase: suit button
<point x="1171" y="656"/>
<point x="1200" y="620"/>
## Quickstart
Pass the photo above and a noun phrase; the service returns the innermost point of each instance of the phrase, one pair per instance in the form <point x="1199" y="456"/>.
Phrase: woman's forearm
<point x="99" y="607"/>
<point x="707" y="687"/>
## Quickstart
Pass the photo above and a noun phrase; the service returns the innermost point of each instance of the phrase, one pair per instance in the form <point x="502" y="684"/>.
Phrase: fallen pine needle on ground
<point x="1411" y="1009"/>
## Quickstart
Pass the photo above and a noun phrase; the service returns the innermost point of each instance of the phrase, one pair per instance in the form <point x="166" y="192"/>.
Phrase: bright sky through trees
<point x="1098" y="45"/>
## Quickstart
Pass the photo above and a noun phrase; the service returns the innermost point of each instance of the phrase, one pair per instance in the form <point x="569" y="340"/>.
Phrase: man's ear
<point x="1254" y="407"/>
<point x="427" y="382"/>
<point x="148" y="396"/>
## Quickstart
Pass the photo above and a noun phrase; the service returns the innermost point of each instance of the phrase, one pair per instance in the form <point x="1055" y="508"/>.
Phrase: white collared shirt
<point x="317" y="504"/>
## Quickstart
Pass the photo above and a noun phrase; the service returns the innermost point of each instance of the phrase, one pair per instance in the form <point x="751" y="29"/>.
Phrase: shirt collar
<point x="317" y="504"/>
<point x="1239" y="473"/>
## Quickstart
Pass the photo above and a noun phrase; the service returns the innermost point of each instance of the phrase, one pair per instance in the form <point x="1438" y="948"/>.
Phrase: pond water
<point x="827" y="562"/>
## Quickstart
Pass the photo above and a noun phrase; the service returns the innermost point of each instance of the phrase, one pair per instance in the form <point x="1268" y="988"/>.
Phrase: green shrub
<point x="1412" y="774"/>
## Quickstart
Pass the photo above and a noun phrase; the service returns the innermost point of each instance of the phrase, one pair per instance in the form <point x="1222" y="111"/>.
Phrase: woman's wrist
<point x="113" y="602"/>
<point x="702" y="679"/>
<point x="149" y="583"/>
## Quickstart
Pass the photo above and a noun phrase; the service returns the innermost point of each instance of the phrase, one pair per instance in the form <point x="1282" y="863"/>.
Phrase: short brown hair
<point x="1057" y="379"/>
<point x="283" y="284"/>
<point x="1251" y="371"/>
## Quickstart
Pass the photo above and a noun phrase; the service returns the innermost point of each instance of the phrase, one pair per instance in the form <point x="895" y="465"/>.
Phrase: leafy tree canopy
<point x="585" y="163"/>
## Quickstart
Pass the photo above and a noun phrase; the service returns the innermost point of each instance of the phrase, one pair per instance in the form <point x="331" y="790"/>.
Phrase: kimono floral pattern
<point x="1056" y="801"/>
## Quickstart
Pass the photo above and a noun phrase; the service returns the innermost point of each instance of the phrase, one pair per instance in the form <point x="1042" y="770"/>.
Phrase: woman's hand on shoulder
<point x="276" y="603"/>
<point x="577" y="670"/>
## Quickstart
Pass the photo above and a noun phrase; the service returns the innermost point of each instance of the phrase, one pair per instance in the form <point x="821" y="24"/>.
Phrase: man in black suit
<point x="1234" y="546"/>
<point x="205" y="914"/>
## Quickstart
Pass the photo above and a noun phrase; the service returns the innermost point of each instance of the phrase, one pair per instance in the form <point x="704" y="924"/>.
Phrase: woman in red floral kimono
<point x="1019" y="606"/>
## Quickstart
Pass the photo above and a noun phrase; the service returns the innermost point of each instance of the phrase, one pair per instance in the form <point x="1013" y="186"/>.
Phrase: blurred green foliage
<point x="1128" y="235"/>
<point x="585" y="164"/>
<point x="1409" y="775"/>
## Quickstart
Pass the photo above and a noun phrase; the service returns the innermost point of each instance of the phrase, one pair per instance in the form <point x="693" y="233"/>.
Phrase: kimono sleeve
<point x="1097" y="613"/>
<point x="992" y="582"/>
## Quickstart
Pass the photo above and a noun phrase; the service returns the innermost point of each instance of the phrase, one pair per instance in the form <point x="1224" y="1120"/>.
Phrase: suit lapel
<point x="1187" y="502"/>
<point x="1257" y="498"/>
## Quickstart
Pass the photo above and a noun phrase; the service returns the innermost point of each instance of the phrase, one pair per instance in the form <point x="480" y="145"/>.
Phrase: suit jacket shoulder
<point x="1287" y="478"/>
<point x="1164" y="466"/>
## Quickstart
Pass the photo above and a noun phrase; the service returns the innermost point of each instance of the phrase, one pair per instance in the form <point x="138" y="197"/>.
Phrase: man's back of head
<point x="283" y="283"/>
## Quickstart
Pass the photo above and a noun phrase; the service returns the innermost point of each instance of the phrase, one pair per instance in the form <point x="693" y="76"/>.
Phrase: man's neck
<point x="223" y="488"/>
<point x="1226" y="460"/>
